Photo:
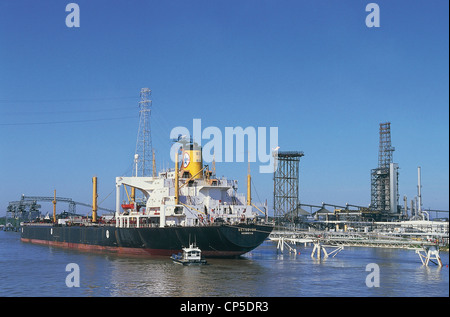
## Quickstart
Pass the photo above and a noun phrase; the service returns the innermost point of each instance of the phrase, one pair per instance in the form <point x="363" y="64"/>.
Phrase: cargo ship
<point x="163" y="213"/>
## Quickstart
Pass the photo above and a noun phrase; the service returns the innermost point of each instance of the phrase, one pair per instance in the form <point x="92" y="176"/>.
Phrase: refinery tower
<point x="384" y="178"/>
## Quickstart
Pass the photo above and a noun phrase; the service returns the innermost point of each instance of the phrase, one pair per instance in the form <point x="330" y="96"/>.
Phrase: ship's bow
<point x="240" y="239"/>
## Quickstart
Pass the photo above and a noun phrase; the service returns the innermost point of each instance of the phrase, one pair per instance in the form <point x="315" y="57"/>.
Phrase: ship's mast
<point x="143" y="154"/>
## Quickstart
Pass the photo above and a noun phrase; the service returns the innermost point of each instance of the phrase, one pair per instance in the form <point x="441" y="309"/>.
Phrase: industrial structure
<point x="384" y="205"/>
<point x="285" y="188"/>
<point x="27" y="208"/>
<point x="384" y="178"/>
<point x="23" y="209"/>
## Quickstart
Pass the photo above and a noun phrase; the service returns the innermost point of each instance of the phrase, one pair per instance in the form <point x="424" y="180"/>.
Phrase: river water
<point x="34" y="270"/>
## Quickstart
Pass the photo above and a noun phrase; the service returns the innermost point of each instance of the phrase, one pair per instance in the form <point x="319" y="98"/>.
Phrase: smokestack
<point x="405" y="200"/>
<point x="419" y="186"/>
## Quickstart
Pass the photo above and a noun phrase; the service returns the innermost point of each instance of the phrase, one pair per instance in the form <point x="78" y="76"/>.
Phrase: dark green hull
<point x="215" y="240"/>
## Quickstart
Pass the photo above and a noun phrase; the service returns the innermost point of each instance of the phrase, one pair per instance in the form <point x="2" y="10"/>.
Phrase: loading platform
<point x="361" y="239"/>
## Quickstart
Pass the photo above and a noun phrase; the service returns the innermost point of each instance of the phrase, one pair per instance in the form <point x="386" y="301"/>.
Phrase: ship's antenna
<point x="144" y="141"/>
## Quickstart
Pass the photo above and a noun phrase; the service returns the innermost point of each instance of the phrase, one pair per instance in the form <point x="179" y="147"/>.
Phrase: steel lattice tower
<point x="386" y="150"/>
<point x="285" y="188"/>
<point x="143" y="154"/>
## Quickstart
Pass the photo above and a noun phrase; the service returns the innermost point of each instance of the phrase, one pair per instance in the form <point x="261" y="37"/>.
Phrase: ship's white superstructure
<point x="185" y="196"/>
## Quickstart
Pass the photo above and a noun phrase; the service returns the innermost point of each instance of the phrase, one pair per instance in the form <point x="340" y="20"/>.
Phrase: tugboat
<point x="190" y="256"/>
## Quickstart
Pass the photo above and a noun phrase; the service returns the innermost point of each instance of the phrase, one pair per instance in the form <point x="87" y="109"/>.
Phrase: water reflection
<point x="32" y="270"/>
<point x="161" y="277"/>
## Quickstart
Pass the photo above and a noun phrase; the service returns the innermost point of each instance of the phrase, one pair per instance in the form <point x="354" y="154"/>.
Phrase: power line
<point x="65" y="111"/>
<point x="62" y="122"/>
<point x="62" y="100"/>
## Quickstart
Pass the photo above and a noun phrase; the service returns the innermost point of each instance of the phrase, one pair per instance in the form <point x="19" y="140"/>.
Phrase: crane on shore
<point x="27" y="206"/>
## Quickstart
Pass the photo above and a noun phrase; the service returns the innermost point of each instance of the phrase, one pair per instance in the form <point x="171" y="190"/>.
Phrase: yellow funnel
<point x="192" y="161"/>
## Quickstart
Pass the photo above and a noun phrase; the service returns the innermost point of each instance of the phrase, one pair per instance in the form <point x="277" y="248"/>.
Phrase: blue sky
<point x="69" y="96"/>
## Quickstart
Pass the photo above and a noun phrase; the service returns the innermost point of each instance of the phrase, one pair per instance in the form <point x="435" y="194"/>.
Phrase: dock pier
<point x="428" y="254"/>
<point x="384" y="239"/>
<point x="320" y="248"/>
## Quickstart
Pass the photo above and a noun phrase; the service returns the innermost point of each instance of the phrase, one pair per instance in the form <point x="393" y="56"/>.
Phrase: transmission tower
<point x="143" y="154"/>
